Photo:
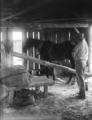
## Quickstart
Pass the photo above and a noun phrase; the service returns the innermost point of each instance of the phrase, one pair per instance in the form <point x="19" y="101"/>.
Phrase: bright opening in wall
<point x="17" y="37"/>
<point x="33" y="35"/>
<point x="38" y="35"/>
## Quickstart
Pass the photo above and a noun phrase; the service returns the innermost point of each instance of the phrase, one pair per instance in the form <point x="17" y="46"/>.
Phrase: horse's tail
<point x="32" y="43"/>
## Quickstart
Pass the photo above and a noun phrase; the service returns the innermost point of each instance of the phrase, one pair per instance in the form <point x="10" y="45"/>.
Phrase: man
<point x="80" y="55"/>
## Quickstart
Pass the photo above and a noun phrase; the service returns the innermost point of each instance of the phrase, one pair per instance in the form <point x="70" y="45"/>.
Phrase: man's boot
<point x="81" y="95"/>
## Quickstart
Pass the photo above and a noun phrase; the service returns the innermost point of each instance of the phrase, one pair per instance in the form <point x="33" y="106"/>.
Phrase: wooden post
<point x="34" y="65"/>
<point x="38" y="88"/>
<point x="10" y="96"/>
<point x="27" y="36"/>
<point x="69" y="36"/>
<point x="33" y="57"/>
<point x="45" y="90"/>
<point x="39" y="67"/>
<point x="56" y="38"/>
<point x="33" y="51"/>
<point x="28" y="61"/>
<point x="3" y="92"/>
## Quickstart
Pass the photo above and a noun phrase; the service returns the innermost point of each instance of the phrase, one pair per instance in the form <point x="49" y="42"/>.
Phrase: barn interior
<point x="56" y="21"/>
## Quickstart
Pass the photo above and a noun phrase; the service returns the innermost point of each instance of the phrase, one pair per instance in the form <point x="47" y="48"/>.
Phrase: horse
<point x="51" y="51"/>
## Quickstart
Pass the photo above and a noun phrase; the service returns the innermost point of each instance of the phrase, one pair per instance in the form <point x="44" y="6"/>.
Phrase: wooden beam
<point x="45" y="63"/>
<point x="64" y="25"/>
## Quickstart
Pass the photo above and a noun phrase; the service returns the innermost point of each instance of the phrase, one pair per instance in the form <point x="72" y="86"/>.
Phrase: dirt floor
<point x="60" y="104"/>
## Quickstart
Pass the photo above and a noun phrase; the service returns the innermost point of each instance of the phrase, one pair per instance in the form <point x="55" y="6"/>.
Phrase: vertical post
<point x="27" y="36"/>
<point x="33" y="52"/>
<point x="45" y="90"/>
<point x="39" y="67"/>
<point x="7" y="42"/>
<point x="28" y="60"/>
<point x="56" y="38"/>
<point x="33" y="57"/>
<point x="38" y="88"/>
<point x="69" y="36"/>
<point x="39" y="55"/>
<point x="10" y="96"/>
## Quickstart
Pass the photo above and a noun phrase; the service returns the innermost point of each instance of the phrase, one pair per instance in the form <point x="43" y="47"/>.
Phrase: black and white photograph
<point x="45" y="60"/>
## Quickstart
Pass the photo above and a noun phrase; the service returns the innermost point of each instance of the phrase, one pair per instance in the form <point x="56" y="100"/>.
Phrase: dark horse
<point x="51" y="51"/>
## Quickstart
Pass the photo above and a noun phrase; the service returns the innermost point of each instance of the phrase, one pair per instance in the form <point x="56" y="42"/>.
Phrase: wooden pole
<point x="42" y="62"/>
<point x="28" y="61"/>
<point x="38" y="35"/>
<point x="45" y="63"/>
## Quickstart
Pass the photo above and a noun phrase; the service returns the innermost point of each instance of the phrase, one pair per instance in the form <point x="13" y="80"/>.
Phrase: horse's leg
<point x="50" y="71"/>
<point x="47" y="72"/>
<point x="54" y="75"/>
<point x="70" y="78"/>
<point x="46" y="86"/>
<point x="72" y="81"/>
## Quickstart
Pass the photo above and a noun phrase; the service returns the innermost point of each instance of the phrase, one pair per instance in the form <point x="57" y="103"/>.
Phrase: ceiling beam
<point x="64" y="25"/>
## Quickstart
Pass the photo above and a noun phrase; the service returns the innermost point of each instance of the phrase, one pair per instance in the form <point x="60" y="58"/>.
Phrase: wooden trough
<point x="17" y="78"/>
